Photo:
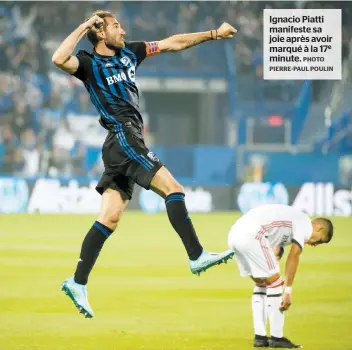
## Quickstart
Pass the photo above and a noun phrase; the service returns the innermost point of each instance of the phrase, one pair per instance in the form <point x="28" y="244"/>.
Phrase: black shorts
<point x="127" y="161"/>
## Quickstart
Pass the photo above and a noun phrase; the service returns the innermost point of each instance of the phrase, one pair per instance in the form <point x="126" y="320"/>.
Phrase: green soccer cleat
<point x="79" y="296"/>
<point x="207" y="260"/>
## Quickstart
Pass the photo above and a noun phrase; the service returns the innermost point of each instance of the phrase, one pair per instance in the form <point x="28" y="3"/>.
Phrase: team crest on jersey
<point x="153" y="156"/>
<point x="125" y="60"/>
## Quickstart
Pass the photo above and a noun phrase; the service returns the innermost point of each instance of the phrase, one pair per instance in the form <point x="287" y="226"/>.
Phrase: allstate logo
<point x="252" y="195"/>
<point x="14" y="195"/>
<point x="150" y="202"/>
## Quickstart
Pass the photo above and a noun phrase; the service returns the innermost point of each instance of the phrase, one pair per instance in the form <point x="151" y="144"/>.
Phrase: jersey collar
<point x="106" y="57"/>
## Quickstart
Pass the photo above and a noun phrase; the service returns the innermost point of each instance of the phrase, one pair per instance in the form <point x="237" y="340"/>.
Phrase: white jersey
<point x="280" y="224"/>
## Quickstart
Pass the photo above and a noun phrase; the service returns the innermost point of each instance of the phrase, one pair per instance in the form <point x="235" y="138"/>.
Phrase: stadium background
<point x="232" y="139"/>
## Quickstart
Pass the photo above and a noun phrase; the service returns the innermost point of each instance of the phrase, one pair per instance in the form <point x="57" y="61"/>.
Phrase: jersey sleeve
<point x="84" y="62"/>
<point x="302" y="230"/>
<point x="143" y="49"/>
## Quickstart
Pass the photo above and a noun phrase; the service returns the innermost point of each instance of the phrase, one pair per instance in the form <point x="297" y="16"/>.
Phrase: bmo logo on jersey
<point x="131" y="76"/>
<point x="323" y="199"/>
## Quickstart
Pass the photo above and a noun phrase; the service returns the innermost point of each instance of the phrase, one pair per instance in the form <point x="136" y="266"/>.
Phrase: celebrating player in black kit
<point x="108" y="73"/>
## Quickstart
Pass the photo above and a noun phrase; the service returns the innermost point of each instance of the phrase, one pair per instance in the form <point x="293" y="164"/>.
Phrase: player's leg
<point x="274" y="290"/>
<point x="254" y="262"/>
<point x="116" y="191"/>
<point x="259" y="315"/>
<point x="164" y="184"/>
<point x="255" y="258"/>
<point x="113" y="205"/>
<point x="145" y="169"/>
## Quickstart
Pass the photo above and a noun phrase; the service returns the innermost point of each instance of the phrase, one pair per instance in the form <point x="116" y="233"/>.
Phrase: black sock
<point x="181" y="222"/>
<point x="91" y="247"/>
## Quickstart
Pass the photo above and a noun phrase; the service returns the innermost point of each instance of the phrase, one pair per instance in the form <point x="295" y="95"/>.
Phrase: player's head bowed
<point x="106" y="30"/>
<point x="323" y="231"/>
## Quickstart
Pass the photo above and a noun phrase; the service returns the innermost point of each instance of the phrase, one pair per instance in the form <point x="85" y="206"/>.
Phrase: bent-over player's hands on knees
<point x="226" y="31"/>
<point x="286" y="302"/>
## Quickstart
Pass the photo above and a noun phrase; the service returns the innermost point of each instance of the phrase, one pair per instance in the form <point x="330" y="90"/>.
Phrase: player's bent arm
<point x="69" y="66"/>
<point x="184" y="41"/>
<point x="62" y="57"/>
<point x="292" y="264"/>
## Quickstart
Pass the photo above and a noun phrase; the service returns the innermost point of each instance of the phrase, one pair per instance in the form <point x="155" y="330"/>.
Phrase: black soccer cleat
<point x="282" y="343"/>
<point x="261" y="341"/>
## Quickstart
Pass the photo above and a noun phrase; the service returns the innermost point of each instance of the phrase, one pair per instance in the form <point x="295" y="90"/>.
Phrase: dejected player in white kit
<point x="257" y="239"/>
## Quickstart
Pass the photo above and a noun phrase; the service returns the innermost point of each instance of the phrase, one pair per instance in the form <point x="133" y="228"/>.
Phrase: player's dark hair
<point x="92" y="34"/>
<point x="329" y="228"/>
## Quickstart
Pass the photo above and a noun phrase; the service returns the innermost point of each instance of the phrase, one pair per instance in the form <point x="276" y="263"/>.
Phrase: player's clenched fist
<point x="226" y="31"/>
<point x="95" y="21"/>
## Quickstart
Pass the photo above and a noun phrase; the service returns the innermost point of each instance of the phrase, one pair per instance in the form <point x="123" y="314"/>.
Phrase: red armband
<point x="152" y="48"/>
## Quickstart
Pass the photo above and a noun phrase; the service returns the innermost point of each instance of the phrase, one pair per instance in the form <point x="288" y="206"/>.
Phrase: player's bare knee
<point x="109" y="220"/>
<point x="175" y="188"/>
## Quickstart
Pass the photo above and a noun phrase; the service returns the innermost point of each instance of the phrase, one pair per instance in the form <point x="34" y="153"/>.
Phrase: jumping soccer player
<point x="108" y="73"/>
<point x="257" y="238"/>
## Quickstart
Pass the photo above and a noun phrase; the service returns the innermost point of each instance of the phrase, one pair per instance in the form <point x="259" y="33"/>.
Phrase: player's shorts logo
<point x="125" y="61"/>
<point x="153" y="156"/>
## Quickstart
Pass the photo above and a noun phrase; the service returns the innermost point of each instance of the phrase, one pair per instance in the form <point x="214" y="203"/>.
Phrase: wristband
<point x="288" y="290"/>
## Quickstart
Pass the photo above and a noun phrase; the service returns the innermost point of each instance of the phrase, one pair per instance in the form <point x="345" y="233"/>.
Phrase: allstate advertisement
<point x="50" y="196"/>
<point x="253" y="194"/>
<point x="312" y="198"/>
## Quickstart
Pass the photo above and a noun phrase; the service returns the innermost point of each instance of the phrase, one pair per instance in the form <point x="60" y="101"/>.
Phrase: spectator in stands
<point x="63" y="146"/>
<point x="20" y="116"/>
<point x="78" y="160"/>
<point x="12" y="158"/>
<point x="53" y="109"/>
<point x="31" y="155"/>
<point x="23" y="21"/>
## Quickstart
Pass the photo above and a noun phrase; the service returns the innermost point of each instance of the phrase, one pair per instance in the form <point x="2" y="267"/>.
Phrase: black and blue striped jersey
<point x="111" y="83"/>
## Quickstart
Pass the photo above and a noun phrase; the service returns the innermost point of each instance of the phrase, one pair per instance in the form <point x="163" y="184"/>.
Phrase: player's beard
<point x="115" y="46"/>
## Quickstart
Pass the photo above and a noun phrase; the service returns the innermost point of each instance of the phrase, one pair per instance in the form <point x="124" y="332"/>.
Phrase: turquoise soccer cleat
<point x="207" y="260"/>
<point x="79" y="296"/>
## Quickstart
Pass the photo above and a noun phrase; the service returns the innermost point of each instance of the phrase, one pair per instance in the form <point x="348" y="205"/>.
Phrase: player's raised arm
<point x="62" y="57"/>
<point x="180" y="42"/>
<point x="291" y="269"/>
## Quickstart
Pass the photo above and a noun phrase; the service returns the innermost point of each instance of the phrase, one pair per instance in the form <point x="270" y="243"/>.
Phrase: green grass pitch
<point x="144" y="295"/>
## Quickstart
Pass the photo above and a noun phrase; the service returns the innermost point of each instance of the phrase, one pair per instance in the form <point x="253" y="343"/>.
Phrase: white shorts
<point x="253" y="253"/>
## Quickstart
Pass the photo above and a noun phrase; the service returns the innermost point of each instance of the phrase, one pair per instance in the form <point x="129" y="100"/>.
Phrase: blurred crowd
<point x="36" y="137"/>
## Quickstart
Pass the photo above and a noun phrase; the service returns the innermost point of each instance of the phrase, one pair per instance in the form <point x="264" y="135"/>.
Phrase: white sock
<point x="273" y="303"/>
<point x="259" y="310"/>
